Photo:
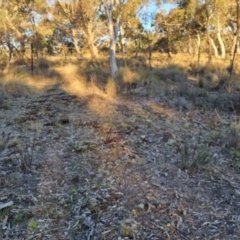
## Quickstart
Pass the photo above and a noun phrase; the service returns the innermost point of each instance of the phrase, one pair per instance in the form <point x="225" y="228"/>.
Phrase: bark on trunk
<point x="113" y="61"/>
<point x="209" y="43"/>
<point x="233" y="54"/>
<point x="221" y="43"/>
<point x="113" y="32"/>
<point x="214" y="48"/>
<point x="198" y="54"/>
<point x="122" y="40"/>
<point x="90" y="38"/>
<point x="10" y="54"/>
<point x="76" y="41"/>
<point x="235" y="39"/>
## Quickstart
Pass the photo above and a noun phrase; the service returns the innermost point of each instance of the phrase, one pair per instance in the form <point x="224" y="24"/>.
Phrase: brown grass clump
<point x="111" y="88"/>
<point x="16" y="89"/>
<point x="127" y="76"/>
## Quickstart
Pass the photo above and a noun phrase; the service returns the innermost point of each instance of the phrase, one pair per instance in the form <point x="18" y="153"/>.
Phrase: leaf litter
<point x="91" y="168"/>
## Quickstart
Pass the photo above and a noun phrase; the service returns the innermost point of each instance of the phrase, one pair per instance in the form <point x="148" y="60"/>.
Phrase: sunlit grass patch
<point x="111" y="88"/>
<point x="127" y="76"/>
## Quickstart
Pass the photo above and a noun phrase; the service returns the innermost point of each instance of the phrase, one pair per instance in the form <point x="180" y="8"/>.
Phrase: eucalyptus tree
<point x="173" y="29"/>
<point x="18" y="19"/>
<point x="80" y="18"/>
<point x="117" y="13"/>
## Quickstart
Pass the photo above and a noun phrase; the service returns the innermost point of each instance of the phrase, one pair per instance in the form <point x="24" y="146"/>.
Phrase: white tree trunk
<point x="214" y="47"/>
<point x="113" y="32"/>
<point x="75" y="40"/>
<point x="223" y="50"/>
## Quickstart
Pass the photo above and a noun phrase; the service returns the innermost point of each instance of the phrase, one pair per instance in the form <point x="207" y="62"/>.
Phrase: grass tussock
<point x="16" y="89"/>
<point x="127" y="76"/>
<point x="111" y="88"/>
<point x="234" y="136"/>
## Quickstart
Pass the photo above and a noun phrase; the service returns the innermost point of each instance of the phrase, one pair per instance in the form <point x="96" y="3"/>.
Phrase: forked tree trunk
<point x="221" y="43"/>
<point x="90" y="41"/>
<point x="215" y="50"/>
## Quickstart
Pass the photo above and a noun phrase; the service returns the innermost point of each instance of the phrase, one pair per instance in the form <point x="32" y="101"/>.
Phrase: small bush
<point x="192" y="93"/>
<point x="194" y="155"/>
<point x="19" y="62"/>
<point x="43" y="63"/>
<point x="19" y="71"/>
<point x="145" y="76"/>
<point x="199" y="92"/>
<point x="182" y="104"/>
<point x="201" y="82"/>
<point x="171" y="72"/>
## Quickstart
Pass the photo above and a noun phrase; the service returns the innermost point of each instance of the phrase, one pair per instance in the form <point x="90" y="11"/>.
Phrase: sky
<point x="151" y="12"/>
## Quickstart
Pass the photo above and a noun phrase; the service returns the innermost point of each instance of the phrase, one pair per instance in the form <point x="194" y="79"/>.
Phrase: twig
<point x="219" y="117"/>
<point x="234" y="111"/>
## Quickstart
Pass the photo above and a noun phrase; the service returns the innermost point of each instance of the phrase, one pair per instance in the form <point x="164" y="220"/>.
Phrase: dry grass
<point x="82" y="78"/>
<point x="127" y="76"/>
<point x="111" y="88"/>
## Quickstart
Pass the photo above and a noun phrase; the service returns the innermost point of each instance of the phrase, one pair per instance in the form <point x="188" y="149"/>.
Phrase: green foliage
<point x="22" y="217"/>
<point x="194" y="155"/>
<point x="126" y="230"/>
<point x="199" y="92"/>
<point x="215" y="137"/>
<point x="201" y="157"/>
<point x="5" y="211"/>
<point x="235" y="155"/>
<point x="33" y="225"/>
<point x="145" y="75"/>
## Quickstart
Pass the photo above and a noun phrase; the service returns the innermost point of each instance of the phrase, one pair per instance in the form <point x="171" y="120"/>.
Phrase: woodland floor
<point x="143" y="166"/>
